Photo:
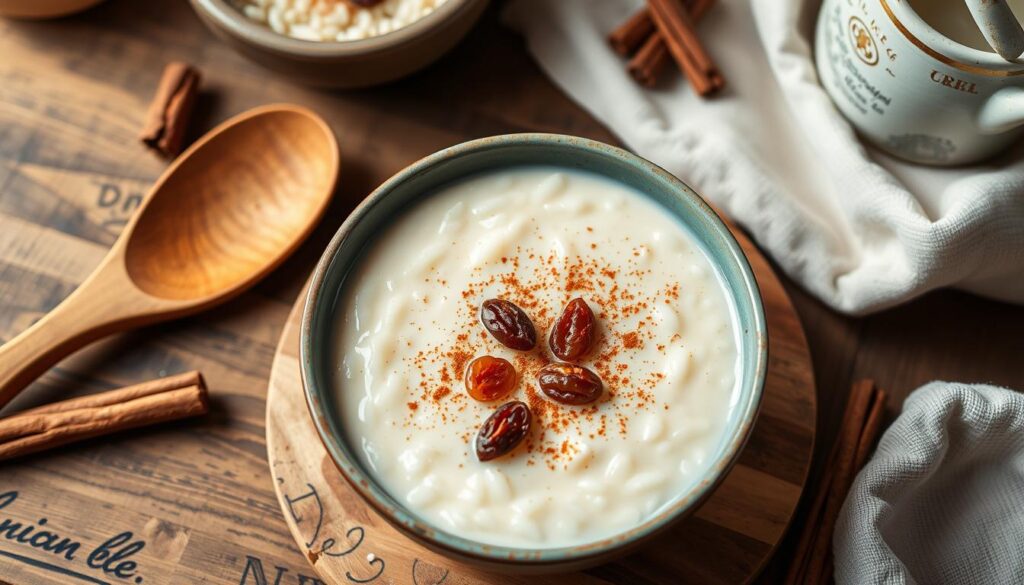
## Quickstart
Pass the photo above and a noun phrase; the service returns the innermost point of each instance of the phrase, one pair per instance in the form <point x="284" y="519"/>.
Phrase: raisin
<point x="508" y="324"/>
<point x="573" y="332"/>
<point x="569" y="383"/>
<point x="490" y="378"/>
<point x="503" y="430"/>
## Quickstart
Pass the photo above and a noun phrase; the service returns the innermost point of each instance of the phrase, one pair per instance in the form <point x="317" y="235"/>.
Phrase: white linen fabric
<point x="940" y="501"/>
<point x="858" y="229"/>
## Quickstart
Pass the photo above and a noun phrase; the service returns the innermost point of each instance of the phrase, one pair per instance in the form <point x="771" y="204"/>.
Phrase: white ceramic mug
<point x="910" y="90"/>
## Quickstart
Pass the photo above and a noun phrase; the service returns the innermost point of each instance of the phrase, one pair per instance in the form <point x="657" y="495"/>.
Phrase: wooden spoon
<point x="227" y="211"/>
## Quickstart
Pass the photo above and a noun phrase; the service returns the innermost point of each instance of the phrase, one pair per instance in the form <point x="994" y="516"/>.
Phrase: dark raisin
<point x="569" y="383"/>
<point x="508" y="324"/>
<point x="572" y="335"/>
<point x="503" y="430"/>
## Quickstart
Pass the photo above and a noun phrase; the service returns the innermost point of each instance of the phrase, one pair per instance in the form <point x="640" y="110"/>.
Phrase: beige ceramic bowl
<point x="43" y="8"/>
<point x="347" y="63"/>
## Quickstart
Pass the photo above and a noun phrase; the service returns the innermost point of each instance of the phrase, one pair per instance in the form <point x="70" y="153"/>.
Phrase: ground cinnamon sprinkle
<point x="542" y="291"/>
<point x="538" y="405"/>
<point x="631" y="340"/>
<point x="459" y="358"/>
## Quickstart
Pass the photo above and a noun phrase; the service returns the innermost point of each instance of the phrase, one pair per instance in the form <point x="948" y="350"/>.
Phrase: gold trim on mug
<point x="942" y="58"/>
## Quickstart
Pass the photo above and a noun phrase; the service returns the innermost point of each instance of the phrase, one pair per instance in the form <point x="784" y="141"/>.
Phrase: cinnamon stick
<point x="167" y="119"/>
<point x="872" y="428"/>
<point x="798" y="569"/>
<point x="648" y="63"/>
<point x="653" y="57"/>
<point x="53" y="425"/>
<point x="862" y="423"/>
<point x="858" y="407"/>
<point x="632" y="33"/>
<point x="677" y="29"/>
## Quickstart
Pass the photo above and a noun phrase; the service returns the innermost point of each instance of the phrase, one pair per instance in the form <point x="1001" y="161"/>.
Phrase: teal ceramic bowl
<point x="420" y="179"/>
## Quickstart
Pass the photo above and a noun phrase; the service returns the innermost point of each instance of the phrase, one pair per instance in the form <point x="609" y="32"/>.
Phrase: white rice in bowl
<point x="335" y="20"/>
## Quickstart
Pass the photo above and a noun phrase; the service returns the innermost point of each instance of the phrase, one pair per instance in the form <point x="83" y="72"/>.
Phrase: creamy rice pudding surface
<point x="666" y="352"/>
<point x="336" y="20"/>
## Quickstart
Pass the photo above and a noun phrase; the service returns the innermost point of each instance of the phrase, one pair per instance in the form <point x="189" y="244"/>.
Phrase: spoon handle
<point x="999" y="26"/>
<point x="81" y="318"/>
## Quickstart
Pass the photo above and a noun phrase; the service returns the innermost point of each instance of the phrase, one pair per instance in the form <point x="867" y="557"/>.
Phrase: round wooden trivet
<point x="728" y="540"/>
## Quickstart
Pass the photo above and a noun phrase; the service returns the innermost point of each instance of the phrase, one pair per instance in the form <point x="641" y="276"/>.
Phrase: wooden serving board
<point x="738" y="528"/>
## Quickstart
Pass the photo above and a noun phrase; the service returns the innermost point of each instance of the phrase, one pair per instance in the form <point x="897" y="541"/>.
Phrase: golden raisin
<point x="490" y="378"/>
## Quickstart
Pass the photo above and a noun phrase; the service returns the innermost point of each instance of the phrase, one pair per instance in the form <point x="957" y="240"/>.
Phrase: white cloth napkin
<point x="858" y="229"/>
<point x="942" y="498"/>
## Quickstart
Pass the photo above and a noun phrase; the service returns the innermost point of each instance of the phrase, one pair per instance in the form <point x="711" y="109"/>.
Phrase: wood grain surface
<point x="739" y="526"/>
<point x="73" y="94"/>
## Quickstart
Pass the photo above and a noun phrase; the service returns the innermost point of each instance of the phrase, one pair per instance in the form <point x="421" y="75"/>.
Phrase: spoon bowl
<point x="228" y="211"/>
<point x="240" y="201"/>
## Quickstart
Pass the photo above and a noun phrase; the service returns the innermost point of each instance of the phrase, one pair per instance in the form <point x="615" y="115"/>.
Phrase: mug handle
<point x="1003" y="111"/>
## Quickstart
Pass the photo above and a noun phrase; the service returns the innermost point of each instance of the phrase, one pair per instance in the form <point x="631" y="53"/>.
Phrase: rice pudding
<point x="665" y="349"/>
<point x="336" y="20"/>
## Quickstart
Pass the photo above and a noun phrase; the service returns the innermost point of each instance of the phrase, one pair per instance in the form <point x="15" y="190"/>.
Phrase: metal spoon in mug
<point x="999" y="26"/>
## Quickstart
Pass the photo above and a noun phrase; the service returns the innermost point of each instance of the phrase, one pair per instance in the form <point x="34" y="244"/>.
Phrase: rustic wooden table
<point x="73" y="94"/>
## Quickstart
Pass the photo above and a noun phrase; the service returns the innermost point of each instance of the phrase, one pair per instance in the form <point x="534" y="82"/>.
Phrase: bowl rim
<point x="408" y="521"/>
<point x="241" y="26"/>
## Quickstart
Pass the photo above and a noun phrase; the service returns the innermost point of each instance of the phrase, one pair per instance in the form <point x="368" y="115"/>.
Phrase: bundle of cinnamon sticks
<point x="862" y="423"/>
<point x="664" y="31"/>
<point x="57" y="424"/>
